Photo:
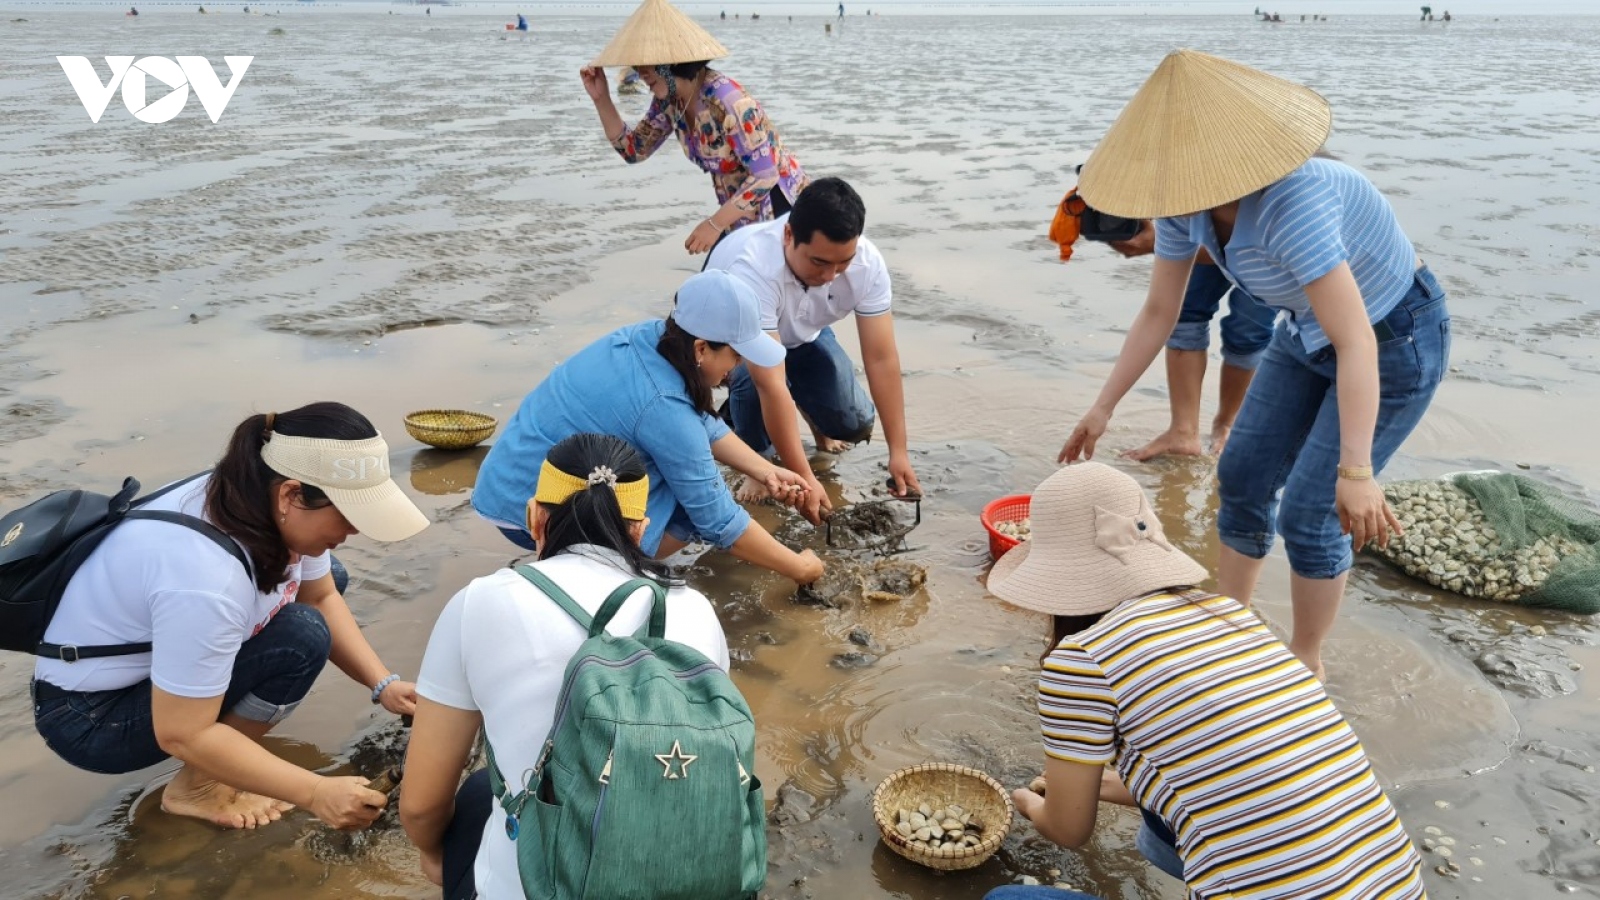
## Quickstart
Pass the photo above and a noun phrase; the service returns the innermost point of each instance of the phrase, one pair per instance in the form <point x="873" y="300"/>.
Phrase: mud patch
<point x="847" y="582"/>
<point x="25" y="419"/>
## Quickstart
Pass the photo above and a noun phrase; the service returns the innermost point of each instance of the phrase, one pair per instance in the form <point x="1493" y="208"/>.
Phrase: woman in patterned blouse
<point x="723" y="130"/>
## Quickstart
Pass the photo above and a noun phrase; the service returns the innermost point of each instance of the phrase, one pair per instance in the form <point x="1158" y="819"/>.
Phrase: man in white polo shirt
<point x="810" y="269"/>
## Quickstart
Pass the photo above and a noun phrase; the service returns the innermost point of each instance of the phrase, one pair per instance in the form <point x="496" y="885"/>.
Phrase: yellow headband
<point x="556" y="487"/>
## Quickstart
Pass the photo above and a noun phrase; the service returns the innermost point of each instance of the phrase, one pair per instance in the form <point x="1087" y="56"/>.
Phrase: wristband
<point x="1355" y="473"/>
<point x="377" y="690"/>
<point x="719" y="228"/>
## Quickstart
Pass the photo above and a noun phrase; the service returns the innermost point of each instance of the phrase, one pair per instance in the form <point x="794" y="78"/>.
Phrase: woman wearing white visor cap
<point x="215" y="652"/>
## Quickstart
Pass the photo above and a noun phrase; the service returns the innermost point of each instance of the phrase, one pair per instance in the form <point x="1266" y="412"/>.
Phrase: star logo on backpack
<point x="676" y="756"/>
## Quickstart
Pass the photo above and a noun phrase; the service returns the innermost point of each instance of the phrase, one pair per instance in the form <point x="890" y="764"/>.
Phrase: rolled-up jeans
<point x="1246" y="327"/>
<point x="822" y="380"/>
<point x="1287" y="435"/>
<point x="112" y="732"/>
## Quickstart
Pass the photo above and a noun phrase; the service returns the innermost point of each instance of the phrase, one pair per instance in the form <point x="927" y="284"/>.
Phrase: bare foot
<point x="215" y="802"/>
<point x="827" y="444"/>
<point x="1168" y="443"/>
<point x="1219" y="438"/>
<point x="752" y="491"/>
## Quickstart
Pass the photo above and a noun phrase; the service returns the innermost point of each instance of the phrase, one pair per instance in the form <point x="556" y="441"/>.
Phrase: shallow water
<point x="403" y="213"/>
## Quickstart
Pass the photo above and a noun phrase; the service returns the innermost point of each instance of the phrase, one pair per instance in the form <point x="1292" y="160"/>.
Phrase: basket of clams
<point x="942" y="815"/>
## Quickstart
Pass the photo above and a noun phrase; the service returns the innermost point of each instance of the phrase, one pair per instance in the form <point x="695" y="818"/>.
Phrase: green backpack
<point x="645" y="787"/>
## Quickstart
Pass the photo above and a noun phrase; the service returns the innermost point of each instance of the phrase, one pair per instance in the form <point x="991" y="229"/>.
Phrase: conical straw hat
<point x="1201" y="132"/>
<point x="659" y="34"/>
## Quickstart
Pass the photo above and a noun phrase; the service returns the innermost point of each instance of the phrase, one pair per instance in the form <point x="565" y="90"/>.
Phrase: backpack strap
<point x="74" y="652"/>
<point x="552" y="590"/>
<point x="655" y="627"/>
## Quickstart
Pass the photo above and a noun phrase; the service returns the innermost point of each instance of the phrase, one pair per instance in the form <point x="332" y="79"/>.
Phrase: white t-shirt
<point x="796" y="312"/>
<point x="501" y="647"/>
<point x="172" y="586"/>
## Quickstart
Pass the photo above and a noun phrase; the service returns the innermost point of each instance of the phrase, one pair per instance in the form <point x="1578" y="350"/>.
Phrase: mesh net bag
<point x="1498" y="536"/>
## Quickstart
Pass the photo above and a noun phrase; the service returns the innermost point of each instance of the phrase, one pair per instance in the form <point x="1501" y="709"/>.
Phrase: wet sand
<point x="403" y="213"/>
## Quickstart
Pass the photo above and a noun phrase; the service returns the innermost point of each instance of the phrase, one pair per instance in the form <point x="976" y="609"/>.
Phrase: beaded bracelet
<point x="377" y="691"/>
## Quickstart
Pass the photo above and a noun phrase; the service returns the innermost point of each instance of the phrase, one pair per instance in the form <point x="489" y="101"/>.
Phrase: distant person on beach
<point x="230" y="650"/>
<point x="133" y="10"/>
<point x="1360" y="347"/>
<point x="841" y="10"/>
<point x="522" y="22"/>
<point x="1181" y="703"/>
<point x="500" y="648"/>
<point x="755" y="178"/>
<point x="650" y="384"/>
<point x="811" y="269"/>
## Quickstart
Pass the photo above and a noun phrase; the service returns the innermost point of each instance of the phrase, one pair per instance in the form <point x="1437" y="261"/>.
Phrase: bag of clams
<point x="1498" y="536"/>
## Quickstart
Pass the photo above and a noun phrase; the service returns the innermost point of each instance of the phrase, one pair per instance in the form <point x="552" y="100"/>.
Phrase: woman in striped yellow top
<point x="1218" y="732"/>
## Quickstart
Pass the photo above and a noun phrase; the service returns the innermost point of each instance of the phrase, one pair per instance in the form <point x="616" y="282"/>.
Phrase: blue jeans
<point x="1036" y="892"/>
<point x="341" y="575"/>
<point x="822" y="381"/>
<point x="1287" y="434"/>
<point x="1246" y="329"/>
<point x="521" y="538"/>
<point x="112" y="732"/>
<point x="474" y="804"/>
<point x="1158" y="844"/>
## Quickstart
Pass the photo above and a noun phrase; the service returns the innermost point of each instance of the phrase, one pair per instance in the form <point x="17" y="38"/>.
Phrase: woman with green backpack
<point x="498" y="658"/>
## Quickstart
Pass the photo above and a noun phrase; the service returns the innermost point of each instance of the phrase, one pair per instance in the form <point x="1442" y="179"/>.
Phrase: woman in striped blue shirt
<point x="1222" y="155"/>
<point x="1183" y="704"/>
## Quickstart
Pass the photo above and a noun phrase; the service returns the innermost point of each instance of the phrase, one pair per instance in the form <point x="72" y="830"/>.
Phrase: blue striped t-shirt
<point x="1297" y="230"/>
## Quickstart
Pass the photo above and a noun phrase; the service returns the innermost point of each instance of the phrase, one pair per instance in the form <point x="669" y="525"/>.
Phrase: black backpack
<point x="43" y="544"/>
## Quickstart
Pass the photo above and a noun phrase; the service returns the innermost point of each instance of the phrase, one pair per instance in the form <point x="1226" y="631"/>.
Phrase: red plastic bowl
<point x="1007" y="509"/>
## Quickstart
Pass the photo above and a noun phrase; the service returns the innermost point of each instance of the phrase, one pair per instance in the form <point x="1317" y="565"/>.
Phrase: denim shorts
<point x="1246" y="328"/>
<point x="822" y="380"/>
<point x="112" y="732"/>
<point x="1286" y="438"/>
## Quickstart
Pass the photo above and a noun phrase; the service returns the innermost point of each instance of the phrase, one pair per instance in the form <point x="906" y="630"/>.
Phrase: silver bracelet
<point x="377" y="691"/>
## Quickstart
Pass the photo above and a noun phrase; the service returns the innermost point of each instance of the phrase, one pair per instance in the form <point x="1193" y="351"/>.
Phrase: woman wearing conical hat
<point x="1182" y="703"/>
<point x="723" y="130"/>
<point x="1222" y="155"/>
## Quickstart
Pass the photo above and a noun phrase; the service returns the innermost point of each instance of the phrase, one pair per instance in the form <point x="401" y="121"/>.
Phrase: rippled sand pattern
<point x="426" y="189"/>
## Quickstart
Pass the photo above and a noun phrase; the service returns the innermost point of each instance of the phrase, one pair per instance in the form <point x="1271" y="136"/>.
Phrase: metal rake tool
<point x="885" y="530"/>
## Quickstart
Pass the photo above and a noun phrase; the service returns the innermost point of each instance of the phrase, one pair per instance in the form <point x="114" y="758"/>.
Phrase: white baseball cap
<point x="716" y="306"/>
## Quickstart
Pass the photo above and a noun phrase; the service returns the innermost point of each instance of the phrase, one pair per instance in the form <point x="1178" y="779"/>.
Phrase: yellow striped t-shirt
<point x="1219" y="730"/>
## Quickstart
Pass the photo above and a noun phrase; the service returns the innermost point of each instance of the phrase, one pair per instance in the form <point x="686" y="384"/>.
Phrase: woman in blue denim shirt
<point x="1221" y="154"/>
<point x="650" y="384"/>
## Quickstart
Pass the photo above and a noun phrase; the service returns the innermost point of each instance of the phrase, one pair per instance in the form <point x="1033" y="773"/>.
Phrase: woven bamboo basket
<point x="450" y="429"/>
<point x="941" y="784"/>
